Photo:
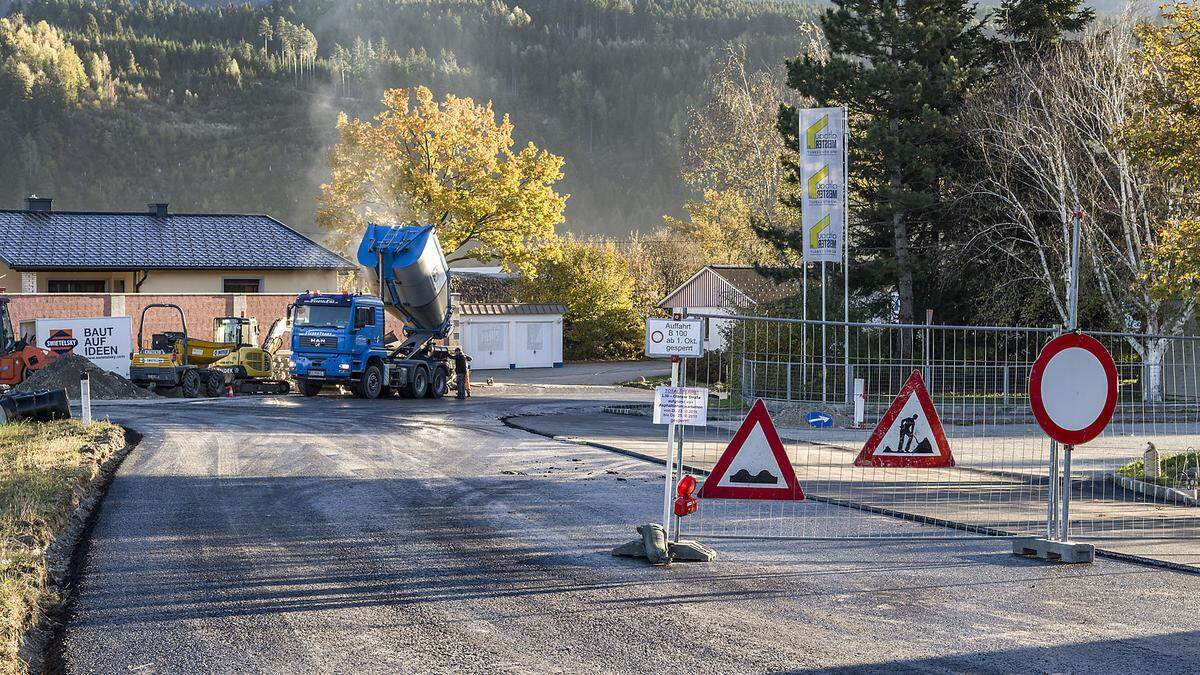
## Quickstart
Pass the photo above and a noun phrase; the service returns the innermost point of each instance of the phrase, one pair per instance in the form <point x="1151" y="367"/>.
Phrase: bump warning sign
<point x="754" y="464"/>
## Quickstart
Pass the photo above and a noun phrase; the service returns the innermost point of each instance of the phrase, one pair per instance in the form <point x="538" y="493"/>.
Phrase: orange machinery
<point x="17" y="357"/>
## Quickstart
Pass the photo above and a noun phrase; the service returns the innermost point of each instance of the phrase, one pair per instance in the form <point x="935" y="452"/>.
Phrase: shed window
<point x="242" y="285"/>
<point x="75" y="286"/>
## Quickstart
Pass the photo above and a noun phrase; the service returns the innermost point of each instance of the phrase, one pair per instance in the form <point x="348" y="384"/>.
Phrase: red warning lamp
<point x="686" y="503"/>
<point x="687" y="486"/>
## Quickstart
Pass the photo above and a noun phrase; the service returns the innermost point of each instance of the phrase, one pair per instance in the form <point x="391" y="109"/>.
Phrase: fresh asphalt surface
<point x="339" y="535"/>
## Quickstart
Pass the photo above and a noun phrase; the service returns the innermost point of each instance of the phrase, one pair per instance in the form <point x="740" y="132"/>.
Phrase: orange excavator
<point x="17" y="357"/>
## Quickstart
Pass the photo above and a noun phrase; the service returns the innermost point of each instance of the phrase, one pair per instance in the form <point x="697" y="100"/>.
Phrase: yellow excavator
<point x="250" y="367"/>
<point x="194" y="367"/>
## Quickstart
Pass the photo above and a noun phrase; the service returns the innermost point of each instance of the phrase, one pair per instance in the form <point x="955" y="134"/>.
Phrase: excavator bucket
<point x="37" y="406"/>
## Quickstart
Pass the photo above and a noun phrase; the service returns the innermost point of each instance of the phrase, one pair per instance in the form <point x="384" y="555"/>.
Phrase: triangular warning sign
<point x="754" y="464"/>
<point x="910" y="433"/>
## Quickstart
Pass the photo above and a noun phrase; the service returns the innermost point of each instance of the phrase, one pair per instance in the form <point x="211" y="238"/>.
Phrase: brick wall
<point x="198" y="309"/>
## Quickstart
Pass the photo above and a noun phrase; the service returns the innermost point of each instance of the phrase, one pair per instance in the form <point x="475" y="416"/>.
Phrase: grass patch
<point x="648" y="382"/>
<point x="44" y="472"/>
<point x="1180" y="470"/>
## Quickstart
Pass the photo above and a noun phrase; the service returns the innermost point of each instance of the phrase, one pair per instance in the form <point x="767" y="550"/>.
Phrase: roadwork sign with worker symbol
<point x="909" y="435"/>
<point x="754" y="464"/>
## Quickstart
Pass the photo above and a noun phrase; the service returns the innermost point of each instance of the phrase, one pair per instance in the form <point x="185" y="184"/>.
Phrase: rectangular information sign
<point x="105" y="341"/>
<point x="681" y="405"/>
<point x="669" y="337"/>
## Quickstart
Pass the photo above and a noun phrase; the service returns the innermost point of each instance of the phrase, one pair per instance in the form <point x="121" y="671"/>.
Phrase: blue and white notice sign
<point x="820" y="420"/>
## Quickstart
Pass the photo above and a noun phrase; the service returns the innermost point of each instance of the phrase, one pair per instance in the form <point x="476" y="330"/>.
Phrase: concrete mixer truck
<point x="342" y="338"/>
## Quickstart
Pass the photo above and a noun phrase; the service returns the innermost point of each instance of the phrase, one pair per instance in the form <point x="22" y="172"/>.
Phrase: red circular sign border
<point x="1052" y="348"/>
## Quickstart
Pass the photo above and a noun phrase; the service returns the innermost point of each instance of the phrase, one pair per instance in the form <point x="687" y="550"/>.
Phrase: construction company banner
<point x="823" y="172"/>
<point x="105" y="341"/>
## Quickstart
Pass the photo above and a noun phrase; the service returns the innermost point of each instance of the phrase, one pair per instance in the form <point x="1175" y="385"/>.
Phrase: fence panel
<point x="1118" y="501"/>
<point x="978" y="380"/>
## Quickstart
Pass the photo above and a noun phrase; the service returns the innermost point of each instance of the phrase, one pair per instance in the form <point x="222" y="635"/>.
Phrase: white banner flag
<point x="823" y="172"/>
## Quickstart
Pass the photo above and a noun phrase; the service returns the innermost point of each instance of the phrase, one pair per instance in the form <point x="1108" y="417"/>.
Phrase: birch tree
<point x="1051" y="137"/>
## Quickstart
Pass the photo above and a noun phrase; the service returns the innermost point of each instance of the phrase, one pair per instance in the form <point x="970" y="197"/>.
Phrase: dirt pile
<point x="64" y="373"/>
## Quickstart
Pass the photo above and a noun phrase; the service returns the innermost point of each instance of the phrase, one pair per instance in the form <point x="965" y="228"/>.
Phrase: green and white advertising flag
<point x="823" y="168"/>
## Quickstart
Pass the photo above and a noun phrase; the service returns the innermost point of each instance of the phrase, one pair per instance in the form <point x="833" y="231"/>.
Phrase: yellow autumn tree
<point x="592" y="278"/>
<point x="720" y="225"/>
<point x="449" y="163"/>
<point x="1166" y="133"/>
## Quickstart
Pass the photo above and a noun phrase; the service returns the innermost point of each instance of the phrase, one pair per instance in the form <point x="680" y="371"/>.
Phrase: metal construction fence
<point x="977" y="377"/>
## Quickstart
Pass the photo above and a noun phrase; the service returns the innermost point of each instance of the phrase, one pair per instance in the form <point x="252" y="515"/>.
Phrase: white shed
<point x="511" y="335"/>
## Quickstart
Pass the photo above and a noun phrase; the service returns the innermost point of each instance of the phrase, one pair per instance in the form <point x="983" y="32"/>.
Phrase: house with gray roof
<point x="158" y="251"/>
<point x="727" y="290"/>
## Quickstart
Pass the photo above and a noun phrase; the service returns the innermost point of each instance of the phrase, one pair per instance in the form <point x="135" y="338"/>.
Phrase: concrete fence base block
<point x="691" y="551"/>
<point x="652" y="546"/>
<point x="631" y="549"/>
<point x="1062" y="551"/>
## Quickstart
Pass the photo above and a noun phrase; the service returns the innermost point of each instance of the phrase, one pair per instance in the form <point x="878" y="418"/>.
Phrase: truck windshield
<point x="314" y="315"/>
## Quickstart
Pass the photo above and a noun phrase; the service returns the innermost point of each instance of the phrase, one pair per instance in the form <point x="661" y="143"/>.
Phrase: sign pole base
<point x="1054" y="551"/>
<point x="648" y="548"/>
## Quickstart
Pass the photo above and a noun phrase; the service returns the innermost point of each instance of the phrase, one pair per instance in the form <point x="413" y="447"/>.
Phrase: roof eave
<point x="115" y="268"/>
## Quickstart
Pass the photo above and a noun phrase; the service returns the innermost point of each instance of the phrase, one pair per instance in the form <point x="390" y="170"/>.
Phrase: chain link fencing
<point x="977" y="377"/>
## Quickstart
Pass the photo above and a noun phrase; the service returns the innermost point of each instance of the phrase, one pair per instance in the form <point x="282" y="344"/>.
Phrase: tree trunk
<point x="904" y="284"/>
<point x="1152" y="377"/>
<point x="904" y="262"/>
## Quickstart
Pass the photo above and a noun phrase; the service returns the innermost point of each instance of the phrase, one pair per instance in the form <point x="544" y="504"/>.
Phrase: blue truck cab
<point x="342" y="338"/>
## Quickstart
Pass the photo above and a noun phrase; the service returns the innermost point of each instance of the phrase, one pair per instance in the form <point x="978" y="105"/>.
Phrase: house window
<point x="242" y="286"/>
<point x="75" y="286"/>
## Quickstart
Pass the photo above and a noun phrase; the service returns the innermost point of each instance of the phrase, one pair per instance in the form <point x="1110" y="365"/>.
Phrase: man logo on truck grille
<point x="61" y="341"/>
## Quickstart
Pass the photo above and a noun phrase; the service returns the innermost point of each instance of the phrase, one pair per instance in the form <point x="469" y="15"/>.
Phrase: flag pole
<point x="846" y="253"/>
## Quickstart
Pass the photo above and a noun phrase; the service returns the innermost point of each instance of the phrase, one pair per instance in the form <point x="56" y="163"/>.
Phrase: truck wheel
<point x="308" y="387"/>
<point x="439" y="385"/>
<point x="214" y="385"/>
<point x="371" y="383"/>
<point x="190" y="384"/>
<point x="419" y="384"/>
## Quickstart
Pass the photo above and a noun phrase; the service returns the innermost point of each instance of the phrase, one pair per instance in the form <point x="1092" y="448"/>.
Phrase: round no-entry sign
<point x="1073" y="388"/>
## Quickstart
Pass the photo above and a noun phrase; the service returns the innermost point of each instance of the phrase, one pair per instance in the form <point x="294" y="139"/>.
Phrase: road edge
<point x="41" y="646"/>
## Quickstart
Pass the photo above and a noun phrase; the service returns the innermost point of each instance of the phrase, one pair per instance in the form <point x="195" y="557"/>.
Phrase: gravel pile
<point x="64" y="373"/>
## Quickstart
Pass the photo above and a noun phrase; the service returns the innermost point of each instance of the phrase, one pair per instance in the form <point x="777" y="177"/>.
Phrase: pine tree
<point x="1029" y="26"/>
<point x="266" y="31"/>
<point x="903" y="69"/>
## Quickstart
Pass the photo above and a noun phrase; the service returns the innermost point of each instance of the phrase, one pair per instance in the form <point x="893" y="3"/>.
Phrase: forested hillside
<point x="113" y="103"/>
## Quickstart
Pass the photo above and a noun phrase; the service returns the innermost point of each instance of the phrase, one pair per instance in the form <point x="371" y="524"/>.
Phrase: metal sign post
<point x="85" y="399"/>
<point x="677" y="338"/>
<point x="824" y="340"/>
<point x="1064" y="533"/>
<point x="1072" y="392"/>
<point x="669" y="479"/>
<point x="679" y="446"/>
<point x="847" y="375"/>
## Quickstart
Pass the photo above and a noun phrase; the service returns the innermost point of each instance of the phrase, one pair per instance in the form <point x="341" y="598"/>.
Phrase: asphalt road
<point x="337" y="535"/>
